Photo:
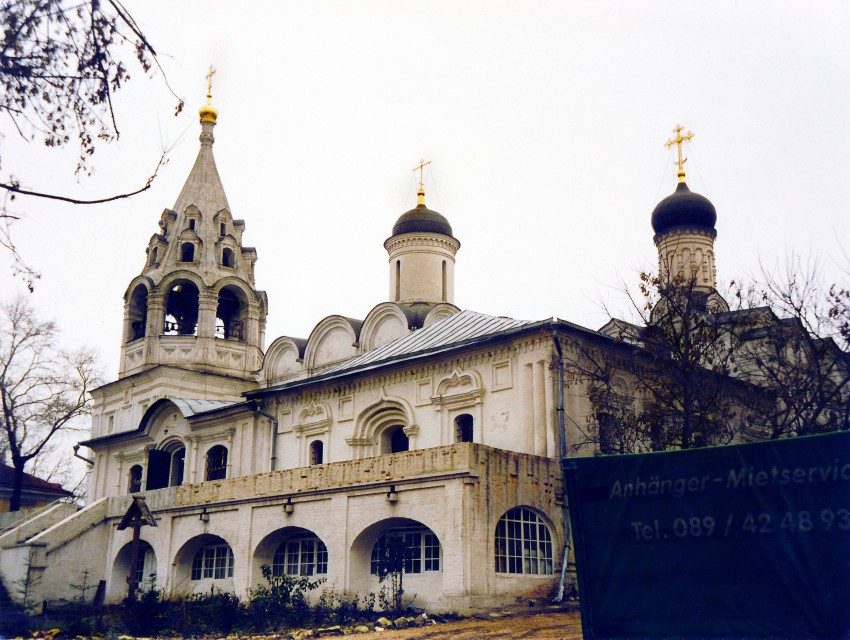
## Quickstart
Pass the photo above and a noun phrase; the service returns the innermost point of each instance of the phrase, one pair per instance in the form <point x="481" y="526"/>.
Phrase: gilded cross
<point x="209" y="78"/>
<point x="678" y="140"/>
<point x="420" y="168"/>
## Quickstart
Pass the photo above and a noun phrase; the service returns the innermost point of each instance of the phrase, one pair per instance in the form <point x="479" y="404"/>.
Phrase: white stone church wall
<point x="458" y="492"/>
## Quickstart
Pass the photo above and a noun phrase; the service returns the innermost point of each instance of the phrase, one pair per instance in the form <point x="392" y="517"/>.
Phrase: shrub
<point x="148" y="615"/>
<point x="213" y="612"/>
<point x="334" y="608"/>
<point x="282" y="602"/>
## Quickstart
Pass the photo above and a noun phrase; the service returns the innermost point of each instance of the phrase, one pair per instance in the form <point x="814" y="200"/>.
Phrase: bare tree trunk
<point x="17" y="486"/>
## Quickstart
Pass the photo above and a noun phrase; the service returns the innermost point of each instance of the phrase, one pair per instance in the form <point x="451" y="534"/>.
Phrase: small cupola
<point x="422" y="254"/>
<point x="682" y="210"/>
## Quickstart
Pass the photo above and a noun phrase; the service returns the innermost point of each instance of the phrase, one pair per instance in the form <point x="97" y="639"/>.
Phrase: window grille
<point x="213" y="561"/>
<point x="301" y="557"/>
<point x="523" y="543"/>
<point x="217" y="463"/>
<point x="421" y="550"/>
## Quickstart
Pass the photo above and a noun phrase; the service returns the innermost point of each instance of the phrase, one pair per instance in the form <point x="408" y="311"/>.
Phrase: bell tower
<point x="194" y="305"/>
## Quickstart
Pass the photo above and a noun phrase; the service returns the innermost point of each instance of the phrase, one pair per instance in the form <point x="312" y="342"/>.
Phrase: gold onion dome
<point x="208" y="113"/>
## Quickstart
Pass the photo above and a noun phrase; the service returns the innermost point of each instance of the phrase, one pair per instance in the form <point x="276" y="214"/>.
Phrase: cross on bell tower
<point x="209" y="78"/>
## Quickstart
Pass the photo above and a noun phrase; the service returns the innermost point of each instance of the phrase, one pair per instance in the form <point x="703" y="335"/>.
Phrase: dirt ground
<point x="557" y="623"/>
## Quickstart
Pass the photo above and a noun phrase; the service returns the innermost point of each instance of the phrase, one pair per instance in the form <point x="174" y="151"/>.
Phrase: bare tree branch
<point x="691" y="372"/>
<point x="60" y="63"/>
<point x="16" y="188"/>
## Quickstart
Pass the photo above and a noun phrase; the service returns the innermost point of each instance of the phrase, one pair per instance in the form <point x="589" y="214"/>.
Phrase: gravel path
<point x="560" y="624"/>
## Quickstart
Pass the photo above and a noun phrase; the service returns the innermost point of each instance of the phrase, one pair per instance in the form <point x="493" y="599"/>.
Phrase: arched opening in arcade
<point x="289" y="551"/>
<point x="205" y="562"/>
<point x="398" y="544"/>
<point x="145" y="572"/>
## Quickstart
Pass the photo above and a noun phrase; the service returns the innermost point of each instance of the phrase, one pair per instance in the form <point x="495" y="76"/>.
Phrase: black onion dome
<point x="684" y="209"/>
<point x="422" y="220"/>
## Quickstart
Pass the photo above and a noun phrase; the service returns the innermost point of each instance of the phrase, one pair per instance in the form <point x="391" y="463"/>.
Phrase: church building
<point x="438" y="426"/>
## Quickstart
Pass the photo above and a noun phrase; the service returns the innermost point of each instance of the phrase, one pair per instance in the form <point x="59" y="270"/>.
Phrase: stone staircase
<point x="25" y="546"/>
<point x="32" y="522"/>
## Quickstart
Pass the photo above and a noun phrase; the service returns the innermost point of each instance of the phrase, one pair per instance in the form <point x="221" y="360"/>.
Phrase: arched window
<point x="463" y="428"/>
<point x="178" y="461"/>
<point x="307" y="556"/>
<point x="217" y="463"/>
<point x="523" y="543"/>
<point x="397" y="280"/>
<point x="134" y="483"/>
<point x="227" y="257"/>
<point x="615" y="401"/>
<point x="421" y="550"/>
<point x="316" y="452"/>
<point x="229" y="320"/>
<point x="213" y="561"/>
<point x="152" y="257"/>
<point x="181" y="310"/>
<point x="187" y="252"/>
<point x="445" y="283"/>
<point x="394" y="440"/>
<point x="607" y="435"/>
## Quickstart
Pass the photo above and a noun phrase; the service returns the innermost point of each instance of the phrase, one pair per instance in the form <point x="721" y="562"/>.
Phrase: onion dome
<point x="684" y="209"/>
<point x="422" y="220"/>
<point x="208" y="113"/>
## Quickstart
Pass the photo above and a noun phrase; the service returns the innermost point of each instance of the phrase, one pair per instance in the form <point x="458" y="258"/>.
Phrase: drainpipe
<point x="559" y="596"/>
<point x="77" y="454"/>
<point x="265" y="414"/>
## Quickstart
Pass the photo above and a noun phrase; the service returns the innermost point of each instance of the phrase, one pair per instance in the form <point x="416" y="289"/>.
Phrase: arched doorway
<point x="394" y="440"/>
<point x="317" y="452"/>
<point x="463" y="428"/>
<point x="166" y="465"/>
<point x="177" y="450"/>
<point x="145" y="571"/>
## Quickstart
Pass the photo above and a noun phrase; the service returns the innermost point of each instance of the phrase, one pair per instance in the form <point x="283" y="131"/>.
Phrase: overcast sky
<point x="545" y="122"/>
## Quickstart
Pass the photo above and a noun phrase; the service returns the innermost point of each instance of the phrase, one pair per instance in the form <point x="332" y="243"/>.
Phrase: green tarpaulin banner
<point x="742" y="541"/>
